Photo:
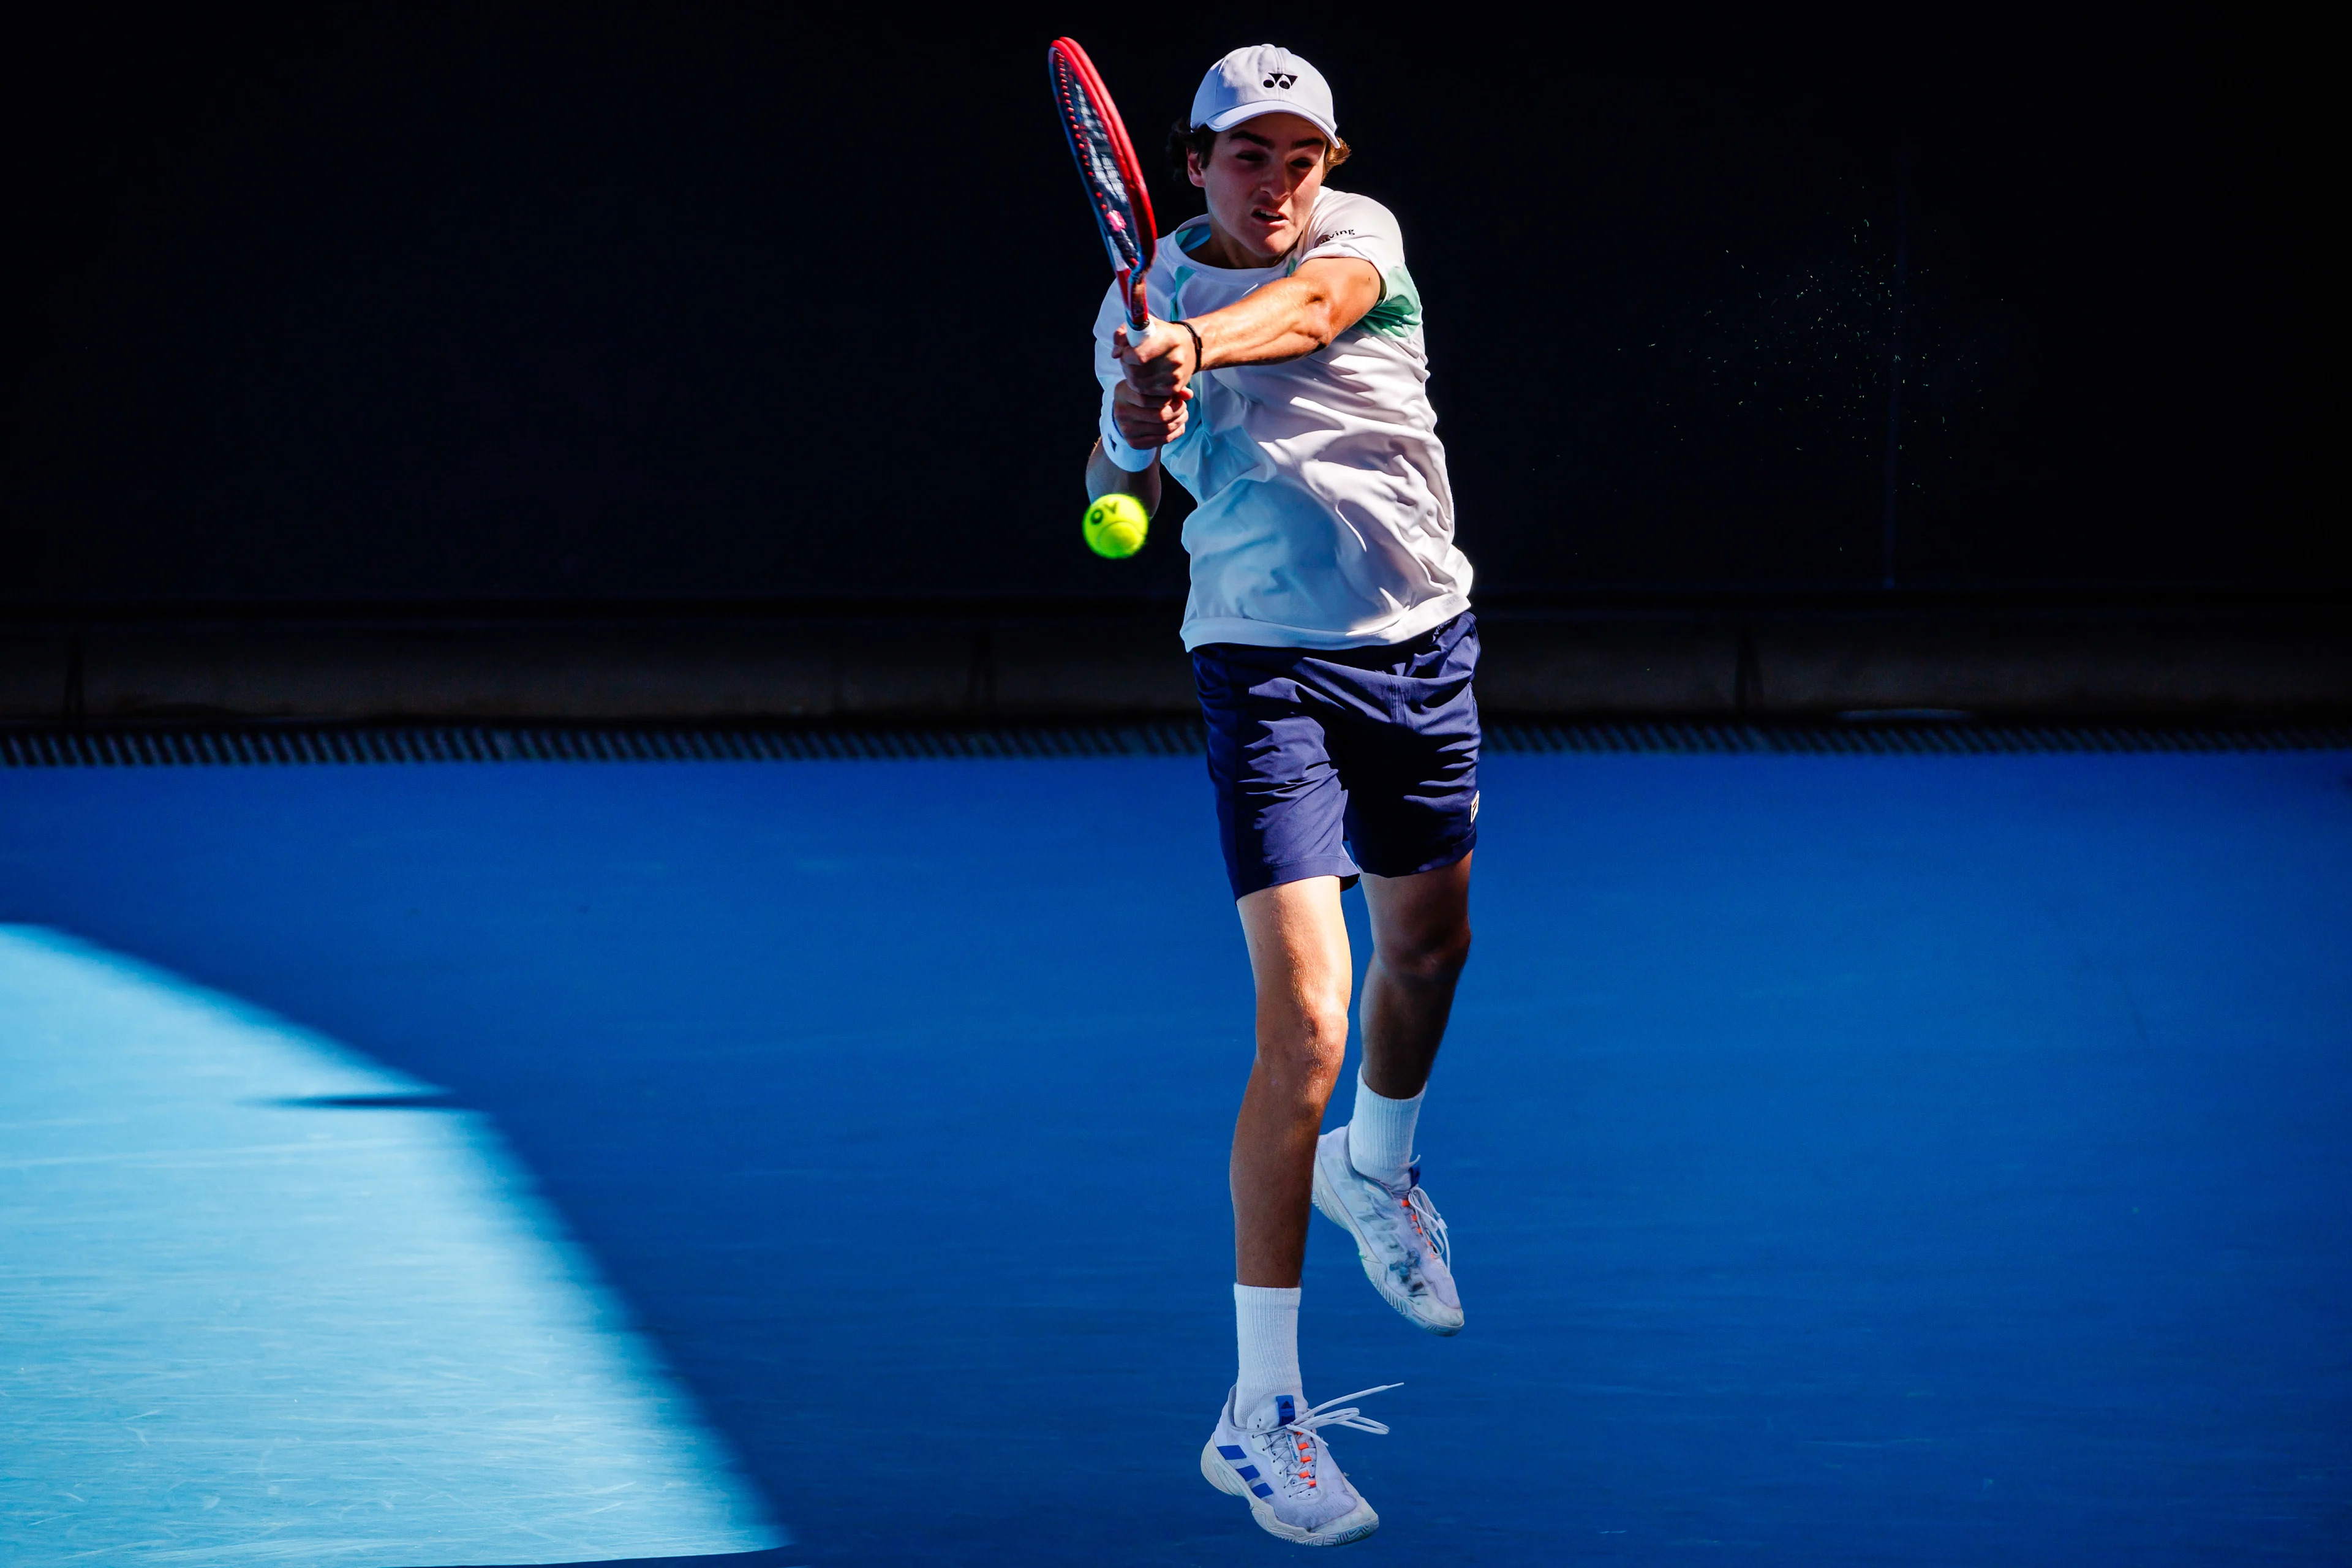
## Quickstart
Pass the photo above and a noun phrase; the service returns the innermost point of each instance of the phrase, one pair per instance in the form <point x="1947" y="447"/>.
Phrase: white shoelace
<point x="1432" y="1225"/>
<point x="1422" y="1214"/>
<point x="1295" y="1470"/>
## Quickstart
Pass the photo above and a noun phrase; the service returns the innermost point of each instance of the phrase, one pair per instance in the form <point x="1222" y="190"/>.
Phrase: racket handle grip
<point x="1138" y="336"/>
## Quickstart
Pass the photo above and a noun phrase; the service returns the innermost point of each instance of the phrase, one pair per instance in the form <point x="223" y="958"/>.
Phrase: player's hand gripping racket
<point x="1114" y="179"/>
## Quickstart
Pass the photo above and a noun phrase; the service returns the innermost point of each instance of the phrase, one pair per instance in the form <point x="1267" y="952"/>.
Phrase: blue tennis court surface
<point x="1850" y="1160"/>
<point x="260" y="1308"/>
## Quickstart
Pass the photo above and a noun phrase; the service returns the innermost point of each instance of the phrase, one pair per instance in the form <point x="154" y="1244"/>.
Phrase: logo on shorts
<point x="1283" y="79"/>
<point x="1473" y="806"/>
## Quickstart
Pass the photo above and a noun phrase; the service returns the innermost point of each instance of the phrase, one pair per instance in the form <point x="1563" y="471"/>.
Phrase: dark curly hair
<point x="1184" y="139"/>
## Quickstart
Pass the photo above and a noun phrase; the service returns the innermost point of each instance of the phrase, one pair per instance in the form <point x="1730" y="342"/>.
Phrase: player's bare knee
<point x="1435" y="960"/>
<point x="1308" y="1047"/>
<point x="1323" y="1034"/>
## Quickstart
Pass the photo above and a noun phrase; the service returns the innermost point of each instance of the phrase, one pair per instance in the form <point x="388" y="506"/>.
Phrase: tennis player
<point x="1333" y="645"/>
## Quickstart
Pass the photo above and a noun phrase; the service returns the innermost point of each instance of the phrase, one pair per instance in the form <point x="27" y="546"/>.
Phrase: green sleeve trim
<point x="1399" y="312"/>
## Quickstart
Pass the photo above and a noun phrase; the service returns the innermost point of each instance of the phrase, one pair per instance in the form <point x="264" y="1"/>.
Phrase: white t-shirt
<point x="1324" y="519"/>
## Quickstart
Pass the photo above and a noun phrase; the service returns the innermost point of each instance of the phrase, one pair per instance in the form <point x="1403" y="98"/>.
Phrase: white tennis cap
<point x="1263" y="79"/>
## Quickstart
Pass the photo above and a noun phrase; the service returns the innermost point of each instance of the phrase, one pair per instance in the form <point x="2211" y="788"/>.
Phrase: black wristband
<point x="1199" y="353"/>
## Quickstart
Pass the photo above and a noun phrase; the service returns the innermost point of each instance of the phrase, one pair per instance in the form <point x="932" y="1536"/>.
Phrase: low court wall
<point x="1799" y="658"/>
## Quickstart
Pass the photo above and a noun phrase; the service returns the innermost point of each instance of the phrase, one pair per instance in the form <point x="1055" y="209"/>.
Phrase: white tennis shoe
<point x="1278" y="1462"/>
<point x="1400" y="1239"/>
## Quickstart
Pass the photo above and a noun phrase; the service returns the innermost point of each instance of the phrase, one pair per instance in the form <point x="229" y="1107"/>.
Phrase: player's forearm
<point x="1290" y="319"/>
<point x="1284" y="321"/>
<point x="1103" y="476"/>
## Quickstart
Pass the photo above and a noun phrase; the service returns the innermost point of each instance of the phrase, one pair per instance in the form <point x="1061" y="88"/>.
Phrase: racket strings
<point x="1106" y="160"/>
<point x="1107" y="184"/>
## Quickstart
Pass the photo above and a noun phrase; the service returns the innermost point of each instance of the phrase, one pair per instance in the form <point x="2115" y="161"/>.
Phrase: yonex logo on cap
<point x="1284" y="79"/>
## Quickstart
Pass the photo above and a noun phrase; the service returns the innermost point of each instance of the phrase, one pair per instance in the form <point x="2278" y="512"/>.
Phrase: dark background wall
<point x="398" y="302"/>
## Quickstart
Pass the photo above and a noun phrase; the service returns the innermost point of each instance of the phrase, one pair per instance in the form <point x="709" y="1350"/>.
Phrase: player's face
<point x="1262" y="177"/>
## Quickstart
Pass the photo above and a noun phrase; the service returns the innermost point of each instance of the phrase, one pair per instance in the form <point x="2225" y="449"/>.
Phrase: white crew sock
<point x="1380" y="1134"/>
<point x="1266" y="1320"/>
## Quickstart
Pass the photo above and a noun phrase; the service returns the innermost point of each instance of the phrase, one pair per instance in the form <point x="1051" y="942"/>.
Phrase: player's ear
<point x="1192" y="170"/>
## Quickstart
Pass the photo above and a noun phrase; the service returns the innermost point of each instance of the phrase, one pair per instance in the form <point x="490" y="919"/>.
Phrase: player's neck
<point x="1221" y="251"/>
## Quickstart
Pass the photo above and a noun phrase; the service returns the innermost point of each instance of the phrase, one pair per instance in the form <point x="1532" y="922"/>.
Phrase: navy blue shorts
<point x="1330" y="761"/>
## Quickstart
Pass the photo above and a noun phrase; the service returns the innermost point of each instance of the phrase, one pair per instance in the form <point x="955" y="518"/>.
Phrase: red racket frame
<point x="1089" y="82"/>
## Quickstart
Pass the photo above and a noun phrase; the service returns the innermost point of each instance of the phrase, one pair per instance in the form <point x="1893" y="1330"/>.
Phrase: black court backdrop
<point x="431" y="302"/>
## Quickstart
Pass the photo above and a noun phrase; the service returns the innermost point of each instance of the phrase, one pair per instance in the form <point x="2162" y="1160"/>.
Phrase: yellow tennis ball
<point x="1116" y="525"/>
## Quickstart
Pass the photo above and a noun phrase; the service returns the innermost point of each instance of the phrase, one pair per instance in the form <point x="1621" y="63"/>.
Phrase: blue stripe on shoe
<point x="1229" y="1451"/>
<point x="1262" y="1489"/>
<point x="1246" y="1472"/>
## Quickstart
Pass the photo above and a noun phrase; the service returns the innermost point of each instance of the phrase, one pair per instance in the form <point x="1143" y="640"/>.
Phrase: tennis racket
<point x="1114" y="180"/>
